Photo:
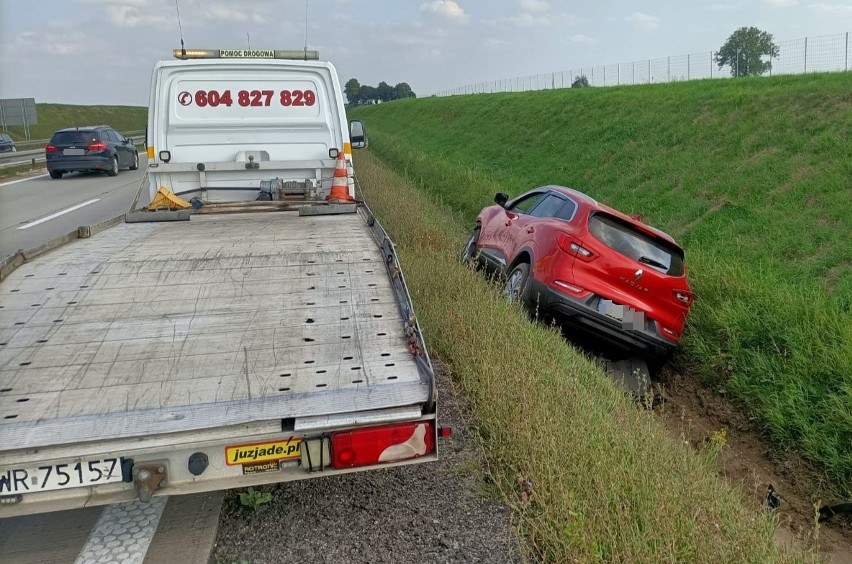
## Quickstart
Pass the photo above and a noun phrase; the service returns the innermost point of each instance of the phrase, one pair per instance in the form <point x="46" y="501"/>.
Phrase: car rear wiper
<point x="652" y="262"/>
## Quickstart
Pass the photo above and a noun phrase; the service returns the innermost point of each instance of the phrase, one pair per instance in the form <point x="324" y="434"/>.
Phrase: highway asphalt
<point x="38" y="209"/>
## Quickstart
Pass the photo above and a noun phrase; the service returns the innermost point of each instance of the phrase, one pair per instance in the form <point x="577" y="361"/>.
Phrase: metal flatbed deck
<point x="223" y="320"/>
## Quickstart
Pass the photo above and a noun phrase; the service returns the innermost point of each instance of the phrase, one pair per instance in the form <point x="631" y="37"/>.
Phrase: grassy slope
<point x="750" y="175"/>
<point x="58" y="116"/>
<point x="606" y="483"/>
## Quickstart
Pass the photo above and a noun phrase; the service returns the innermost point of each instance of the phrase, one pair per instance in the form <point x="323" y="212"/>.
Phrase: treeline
<point x="360" y="95"/>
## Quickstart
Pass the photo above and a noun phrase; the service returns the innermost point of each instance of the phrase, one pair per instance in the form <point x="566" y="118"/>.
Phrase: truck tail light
<point x="568" y="245"/>
<point x="99" y="146"/>
<point x="683" y="296"/>
<point x="50" y="149"/>
<point x="376" y="445"/>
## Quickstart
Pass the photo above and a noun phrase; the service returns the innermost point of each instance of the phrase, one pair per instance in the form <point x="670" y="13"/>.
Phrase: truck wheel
<point x="113" y="171"/>
<point x="516" y="288"/>
<point x="469" y="254"/>
<point x="56" y="174"/>
<point x="135" y="165"/>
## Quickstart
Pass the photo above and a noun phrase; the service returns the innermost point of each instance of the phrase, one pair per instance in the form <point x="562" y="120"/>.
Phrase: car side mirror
<point x="357" y="134"/>
<point x="500" y="199"/>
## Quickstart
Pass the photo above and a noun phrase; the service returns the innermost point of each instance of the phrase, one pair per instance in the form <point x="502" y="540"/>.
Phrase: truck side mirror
<point x="357" y="134"/>
<point x="500" y="199"/>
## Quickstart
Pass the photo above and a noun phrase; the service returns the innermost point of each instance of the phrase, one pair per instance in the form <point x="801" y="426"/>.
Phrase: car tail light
<point x="573" y="248"/>
<point x="376" y="445"/>
<point x="683" y="296"/>
<point x="50" y="149"/>
<point x="99" y="146"/>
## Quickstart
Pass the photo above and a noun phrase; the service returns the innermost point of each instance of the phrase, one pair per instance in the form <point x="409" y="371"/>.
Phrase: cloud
<point x="641" y="20"/>
<point x="448" y="9"/>
<point x="581" y="38"/>
<point x="834" y="9"/>
<point x="780" y="3"/>
<point x="132" y="16"/>
<point x="534" y="6"/>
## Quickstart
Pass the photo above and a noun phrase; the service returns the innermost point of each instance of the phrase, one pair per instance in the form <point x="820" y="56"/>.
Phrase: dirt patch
<point x="694" y="412"/>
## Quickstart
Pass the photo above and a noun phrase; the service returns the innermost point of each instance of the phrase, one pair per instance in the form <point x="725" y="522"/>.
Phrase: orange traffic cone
<point x="340" y="183"/>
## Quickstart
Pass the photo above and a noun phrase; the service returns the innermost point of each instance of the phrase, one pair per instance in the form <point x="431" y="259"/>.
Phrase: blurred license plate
<point x="74" y="152"/>
<point x="611" y="309"/>
<point x="60" y="476"/>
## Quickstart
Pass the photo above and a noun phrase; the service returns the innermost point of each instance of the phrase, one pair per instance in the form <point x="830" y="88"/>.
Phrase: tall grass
<point x="751" y="176"/>
<point x="592" y="477"/>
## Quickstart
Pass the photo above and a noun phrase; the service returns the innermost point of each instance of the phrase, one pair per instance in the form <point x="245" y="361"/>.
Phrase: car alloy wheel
<point x="469" y="252"/>
<point x="516" y="283"/>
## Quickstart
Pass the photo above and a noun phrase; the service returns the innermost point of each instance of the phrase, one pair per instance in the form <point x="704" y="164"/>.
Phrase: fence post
<point x="649" y="71"/>
<point x="711" y="64"/>
<point x="633" y="80"/>
<point x="688" y="65"/>
<point x="669" y="70"/>
<point x="846" y="62"/>
<point x="618" y="80"/>
<point x="806" y="55"/>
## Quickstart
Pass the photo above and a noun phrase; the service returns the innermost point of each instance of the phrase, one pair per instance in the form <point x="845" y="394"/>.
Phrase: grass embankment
<point x="750" y="175"/>
<point x="59" y="116"/>
<point x="607" y="483"/>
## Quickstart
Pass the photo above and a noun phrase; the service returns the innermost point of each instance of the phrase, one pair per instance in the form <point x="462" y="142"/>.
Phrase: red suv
<point x="591" y="267"/>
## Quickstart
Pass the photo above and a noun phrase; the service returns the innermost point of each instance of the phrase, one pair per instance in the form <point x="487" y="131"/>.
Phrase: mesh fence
<point x="827" y="53"/>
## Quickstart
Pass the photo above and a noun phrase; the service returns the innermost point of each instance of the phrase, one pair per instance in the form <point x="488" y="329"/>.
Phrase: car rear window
<point x="74" y="137"/>
<point x="629" y="241"/>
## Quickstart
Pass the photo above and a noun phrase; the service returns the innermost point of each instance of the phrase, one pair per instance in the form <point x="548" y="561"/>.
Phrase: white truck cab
<point x="245" y="125"/>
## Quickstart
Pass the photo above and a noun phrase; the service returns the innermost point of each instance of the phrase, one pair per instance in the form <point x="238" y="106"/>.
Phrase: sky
<point x="103" y="51"/>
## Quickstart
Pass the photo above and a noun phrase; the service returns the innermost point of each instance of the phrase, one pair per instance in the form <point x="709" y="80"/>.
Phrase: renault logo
<point x="638" y="276"/>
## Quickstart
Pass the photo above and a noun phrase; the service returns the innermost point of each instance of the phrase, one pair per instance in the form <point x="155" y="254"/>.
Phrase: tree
<point x="403" y="90"/>
<point x="744" y="52"/>
<point x="352" y="89"/>
<point x="580" y="82"/>
<point x="367" y="95"/>
<point x="384" y="91"/>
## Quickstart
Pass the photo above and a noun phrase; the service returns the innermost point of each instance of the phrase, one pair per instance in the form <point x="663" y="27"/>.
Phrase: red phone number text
<point x="247" y="98"/>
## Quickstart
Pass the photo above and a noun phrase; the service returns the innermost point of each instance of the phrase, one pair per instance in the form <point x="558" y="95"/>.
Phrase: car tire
<point x="470" y="254"/>
<point x="135" y="165"/>
<point x="114" y="170"/>
<point x="517" y="288"/>
<point x="55" y="174"/>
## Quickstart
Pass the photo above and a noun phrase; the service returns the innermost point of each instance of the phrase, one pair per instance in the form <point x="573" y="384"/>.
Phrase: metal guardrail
<point x="32" y="156"/>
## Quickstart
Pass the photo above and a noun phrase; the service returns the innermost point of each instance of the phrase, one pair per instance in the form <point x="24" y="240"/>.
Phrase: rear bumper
<point x="69" y="164"/>
<point x="582" y="314"/>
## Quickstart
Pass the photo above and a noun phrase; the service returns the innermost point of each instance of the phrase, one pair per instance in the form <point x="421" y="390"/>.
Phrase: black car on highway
<point x="93" y="148"/>
<point x="7" y="144"/>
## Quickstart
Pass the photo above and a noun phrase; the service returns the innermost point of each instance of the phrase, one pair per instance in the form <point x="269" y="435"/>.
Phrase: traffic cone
<point x="340" y="183"/>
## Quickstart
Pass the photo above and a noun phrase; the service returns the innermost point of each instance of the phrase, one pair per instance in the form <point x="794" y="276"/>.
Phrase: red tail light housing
<point x="378" y="445"/>
<point x="50" y="149"/>
<point x="99" y="146"/>
<point x="568" y="245"/>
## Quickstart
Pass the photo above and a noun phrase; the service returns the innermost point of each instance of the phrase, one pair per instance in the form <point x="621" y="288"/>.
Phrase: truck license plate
<point x="60" y="476"/>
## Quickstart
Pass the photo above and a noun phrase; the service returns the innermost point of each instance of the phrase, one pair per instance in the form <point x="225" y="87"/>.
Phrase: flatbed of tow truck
<point x="222" y="330"/>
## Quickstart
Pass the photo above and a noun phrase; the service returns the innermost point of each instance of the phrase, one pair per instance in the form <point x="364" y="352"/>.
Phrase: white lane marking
<point x="123" y="533"/>
<point x="57" y="214"/>
<point x="22" y="180"/>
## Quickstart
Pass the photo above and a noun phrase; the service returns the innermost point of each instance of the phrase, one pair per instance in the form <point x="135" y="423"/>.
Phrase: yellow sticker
<point x="262" y="452"/>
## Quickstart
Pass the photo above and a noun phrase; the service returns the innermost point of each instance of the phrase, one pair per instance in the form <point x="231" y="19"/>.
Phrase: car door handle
<point x="530" y="229"/>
